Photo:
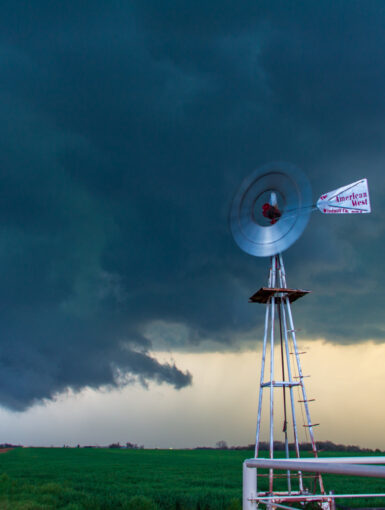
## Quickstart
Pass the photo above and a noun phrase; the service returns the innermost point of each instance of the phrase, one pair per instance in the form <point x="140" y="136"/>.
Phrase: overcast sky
<point x="126" y="129"/>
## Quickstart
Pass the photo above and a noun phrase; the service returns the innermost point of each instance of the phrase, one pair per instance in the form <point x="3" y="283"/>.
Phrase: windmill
<point x="269" y="213"/>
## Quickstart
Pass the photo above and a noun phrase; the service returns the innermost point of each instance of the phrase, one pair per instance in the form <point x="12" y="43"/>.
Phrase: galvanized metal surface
<point x="257" y="435"/>
<point x="251" y="497"/>
<point x="309" y="424"/>
<point x="315" y="497"/>
<point x="293" y="190"/>
<point x="249" y="492"/>
<point x="274" y="502"/>
<point x="292" y="400"/>
<point x="276" y="505"/>
<point x="277" y="282"/>
<point x="373" y="459"/>
<point x="272" y="301"/>
<point x="319" y="467"/>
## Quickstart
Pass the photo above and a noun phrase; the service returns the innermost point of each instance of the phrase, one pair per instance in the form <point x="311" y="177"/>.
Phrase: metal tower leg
<point x="292" y="401"/>
<point x="257" y="437"/>
<point x="299" y="368"/>
<point x="280" y="300"/>
<point x="271" y="442"/>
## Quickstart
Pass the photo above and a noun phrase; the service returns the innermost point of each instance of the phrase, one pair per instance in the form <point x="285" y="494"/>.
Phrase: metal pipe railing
<point x="320" y="466"/>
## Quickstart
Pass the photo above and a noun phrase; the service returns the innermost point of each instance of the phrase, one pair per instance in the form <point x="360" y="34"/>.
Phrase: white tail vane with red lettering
<point x="353" y="198"/>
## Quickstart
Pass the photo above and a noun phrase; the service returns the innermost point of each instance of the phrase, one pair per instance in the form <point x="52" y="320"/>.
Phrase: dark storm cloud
<point x="126" y="131"/>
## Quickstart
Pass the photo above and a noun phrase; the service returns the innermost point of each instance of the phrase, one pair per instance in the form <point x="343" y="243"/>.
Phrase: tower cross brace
<point x="279" y="323"/>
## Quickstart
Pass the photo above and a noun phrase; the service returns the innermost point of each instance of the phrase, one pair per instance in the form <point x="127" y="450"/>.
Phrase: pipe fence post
<point x="249" y="487"/>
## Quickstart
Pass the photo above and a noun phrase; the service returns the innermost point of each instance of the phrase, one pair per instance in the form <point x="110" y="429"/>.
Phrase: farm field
<point x="107" y="479"/>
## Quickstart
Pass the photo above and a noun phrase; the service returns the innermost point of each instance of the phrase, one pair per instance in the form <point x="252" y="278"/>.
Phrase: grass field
<point x="106" y="479"/>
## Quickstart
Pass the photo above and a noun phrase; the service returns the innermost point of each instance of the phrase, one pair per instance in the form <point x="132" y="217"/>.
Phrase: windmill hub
<point x="268" y="206"/>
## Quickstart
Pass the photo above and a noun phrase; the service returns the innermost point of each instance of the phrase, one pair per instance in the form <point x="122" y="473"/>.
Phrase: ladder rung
<point x="308" y="400"/>
<point x="312" y="425"/>
<point x="303" y="352"/>
<point x="280" y="384"/>
<point x="301" y="376"/>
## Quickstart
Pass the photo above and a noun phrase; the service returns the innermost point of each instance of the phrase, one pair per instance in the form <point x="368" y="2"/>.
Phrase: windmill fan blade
<point x="353" y="198"/>
<point x="271" y="209"/>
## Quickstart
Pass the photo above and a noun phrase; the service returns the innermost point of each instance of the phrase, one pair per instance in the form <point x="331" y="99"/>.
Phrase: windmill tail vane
<point x="353" y="198"/>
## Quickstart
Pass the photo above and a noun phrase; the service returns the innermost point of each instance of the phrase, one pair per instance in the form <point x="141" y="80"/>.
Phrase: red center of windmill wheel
<point x="271" y="212"/>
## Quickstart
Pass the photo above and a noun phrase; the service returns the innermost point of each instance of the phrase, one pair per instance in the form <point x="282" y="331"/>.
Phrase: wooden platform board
<point x="264" y="294"/>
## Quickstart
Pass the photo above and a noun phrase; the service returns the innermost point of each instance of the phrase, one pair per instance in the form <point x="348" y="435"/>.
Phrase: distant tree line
<point x="128" y="446"/>
<point x="327" y="446"/>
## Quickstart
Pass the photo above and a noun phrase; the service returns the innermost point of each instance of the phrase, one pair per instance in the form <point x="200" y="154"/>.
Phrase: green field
<point x="106" y="479"/>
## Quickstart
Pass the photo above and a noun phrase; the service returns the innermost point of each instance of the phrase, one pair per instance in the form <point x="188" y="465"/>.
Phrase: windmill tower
<point x="269" y="213"/>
